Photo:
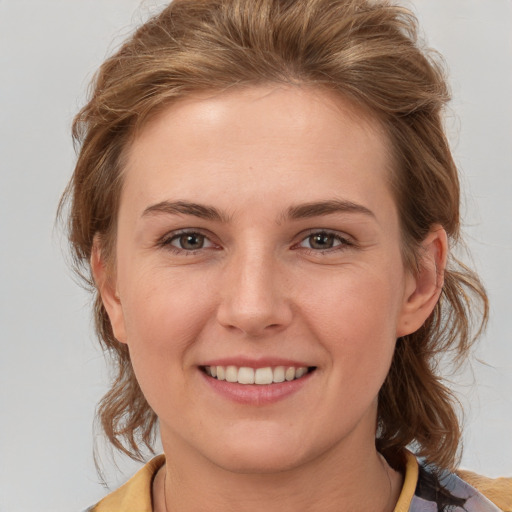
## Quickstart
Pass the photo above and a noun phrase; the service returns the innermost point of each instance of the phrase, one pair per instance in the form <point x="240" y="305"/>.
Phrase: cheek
<point x="355" y="317"/>
<point x="164" y="315"/>
<point x="162" y="303"/>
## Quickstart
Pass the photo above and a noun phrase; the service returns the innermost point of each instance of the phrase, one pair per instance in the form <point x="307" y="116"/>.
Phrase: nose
<point x="254" y="295"/>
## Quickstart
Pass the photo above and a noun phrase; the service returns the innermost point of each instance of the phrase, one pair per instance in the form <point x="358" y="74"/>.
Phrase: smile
<point x="259" y="376"/>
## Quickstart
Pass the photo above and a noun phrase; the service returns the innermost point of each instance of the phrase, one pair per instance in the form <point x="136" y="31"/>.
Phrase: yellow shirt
<point x="135" y="495"/>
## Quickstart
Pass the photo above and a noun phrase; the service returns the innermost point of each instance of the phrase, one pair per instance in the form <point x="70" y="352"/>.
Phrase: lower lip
<point x="256" y="394"/>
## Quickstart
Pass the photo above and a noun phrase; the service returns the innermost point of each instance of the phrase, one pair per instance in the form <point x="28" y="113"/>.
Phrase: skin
<point x="260" y="287"/>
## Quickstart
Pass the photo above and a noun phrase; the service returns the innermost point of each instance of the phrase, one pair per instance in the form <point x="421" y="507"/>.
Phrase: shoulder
<point x="461" y="491"/>
<point x="135" y="494"/>
<point x="498" y="490"/>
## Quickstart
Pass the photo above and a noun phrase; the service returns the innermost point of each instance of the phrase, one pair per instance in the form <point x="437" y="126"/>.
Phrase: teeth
<point x="260" y="376"/>
<point x="246" y="376"/>
<point x="263" y="376"/>
<point x="290" y="373"/>
<point x="232" y="374"/>
<point x="300" y="372"/>
<point x="279" y="374"/>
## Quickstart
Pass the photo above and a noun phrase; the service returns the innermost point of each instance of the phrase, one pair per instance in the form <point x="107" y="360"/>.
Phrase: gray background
<point x="52" y="374"/>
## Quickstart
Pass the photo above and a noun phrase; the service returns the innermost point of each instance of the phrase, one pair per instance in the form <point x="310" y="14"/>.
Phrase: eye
<point x="323" y="241"/>
<point x="320" y="241"/>
<point x="187" y="241"/>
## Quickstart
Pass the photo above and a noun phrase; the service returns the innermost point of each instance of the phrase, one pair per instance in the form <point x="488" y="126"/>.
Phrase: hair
<point x="369" y="53"/>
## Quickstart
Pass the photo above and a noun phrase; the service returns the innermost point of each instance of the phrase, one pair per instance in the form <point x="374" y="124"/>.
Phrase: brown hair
<point x="366" y="51"/>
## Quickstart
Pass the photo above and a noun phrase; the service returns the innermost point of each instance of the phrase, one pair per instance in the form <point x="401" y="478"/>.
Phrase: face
<point x="259" y="281"/>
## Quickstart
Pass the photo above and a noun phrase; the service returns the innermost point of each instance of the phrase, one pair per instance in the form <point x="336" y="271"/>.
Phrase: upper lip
<point x="262" y="362"/>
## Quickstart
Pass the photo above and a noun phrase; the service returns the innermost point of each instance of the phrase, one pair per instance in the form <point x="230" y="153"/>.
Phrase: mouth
<point x="259" y="376"/>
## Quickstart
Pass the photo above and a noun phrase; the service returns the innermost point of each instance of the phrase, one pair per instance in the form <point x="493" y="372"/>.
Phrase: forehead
<point x="269" y="106"/>
<point x="257" y="138"/>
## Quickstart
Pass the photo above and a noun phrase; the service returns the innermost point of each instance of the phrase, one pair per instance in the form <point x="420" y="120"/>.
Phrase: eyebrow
<point x="314" y="209"/>
<point x="186" y="208"/>
<point x="302" y="211"/>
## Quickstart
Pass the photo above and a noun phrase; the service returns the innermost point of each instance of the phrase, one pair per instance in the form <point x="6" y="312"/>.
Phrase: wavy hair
<point x="369" y="53"/>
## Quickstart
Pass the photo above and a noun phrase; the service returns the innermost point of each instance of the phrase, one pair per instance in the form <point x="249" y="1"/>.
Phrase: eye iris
<point x="191" y="241"/>
<point x="321" y="241"/>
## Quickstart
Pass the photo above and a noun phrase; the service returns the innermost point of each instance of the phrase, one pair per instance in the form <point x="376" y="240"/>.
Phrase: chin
<point x="264" y="451"/>
<point x="258" y="461"/>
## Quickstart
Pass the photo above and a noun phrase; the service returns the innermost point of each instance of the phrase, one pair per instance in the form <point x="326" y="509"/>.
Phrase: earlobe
<point x="423" y="288"/>
<point x="105" y="282"/>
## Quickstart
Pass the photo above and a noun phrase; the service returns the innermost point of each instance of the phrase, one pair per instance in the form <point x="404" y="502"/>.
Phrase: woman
<point x="265" y="201"/>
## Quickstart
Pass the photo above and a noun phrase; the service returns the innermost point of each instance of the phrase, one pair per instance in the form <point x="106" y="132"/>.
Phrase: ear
<point x="106" y="283"/>
<point x="423" y="288"/>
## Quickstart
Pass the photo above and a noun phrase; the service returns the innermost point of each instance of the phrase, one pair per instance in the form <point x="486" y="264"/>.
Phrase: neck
<point x="343" y="479"/>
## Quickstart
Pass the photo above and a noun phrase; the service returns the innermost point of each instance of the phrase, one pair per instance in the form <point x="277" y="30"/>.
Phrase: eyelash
<point x="343" y="242"/>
